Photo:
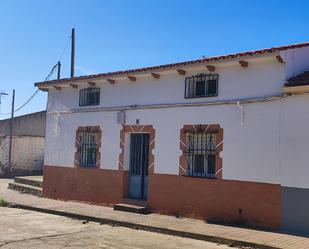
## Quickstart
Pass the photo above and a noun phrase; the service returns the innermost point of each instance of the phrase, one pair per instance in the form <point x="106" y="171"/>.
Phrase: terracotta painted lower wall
<point x="216" y="200"/>
<point x="84" y="184"/>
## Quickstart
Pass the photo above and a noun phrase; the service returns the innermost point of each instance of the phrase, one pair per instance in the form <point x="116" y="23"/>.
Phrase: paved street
<point x="28" y="229"/>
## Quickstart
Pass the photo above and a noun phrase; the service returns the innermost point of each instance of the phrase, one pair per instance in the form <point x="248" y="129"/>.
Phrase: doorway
<point x="139" y="159"/>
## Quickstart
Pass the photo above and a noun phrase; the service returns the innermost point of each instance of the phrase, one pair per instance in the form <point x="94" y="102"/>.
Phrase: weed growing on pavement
<point x="3" y="203"/>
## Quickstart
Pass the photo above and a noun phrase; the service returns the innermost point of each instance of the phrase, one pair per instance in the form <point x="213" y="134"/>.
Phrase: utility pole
<point x="59" y="69"/>
<point x="72" y="52"/>
<point x="11" y="131"/>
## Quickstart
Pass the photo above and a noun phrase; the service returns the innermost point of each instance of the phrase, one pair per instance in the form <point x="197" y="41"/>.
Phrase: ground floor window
<point x="201" y="146"/>
<point x="88" y="142"/>
<point x="200" y="154"/>
<point x="87" y="149"/>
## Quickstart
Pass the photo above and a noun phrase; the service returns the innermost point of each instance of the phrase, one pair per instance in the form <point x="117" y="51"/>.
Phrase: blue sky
<point x="114" y="35"/>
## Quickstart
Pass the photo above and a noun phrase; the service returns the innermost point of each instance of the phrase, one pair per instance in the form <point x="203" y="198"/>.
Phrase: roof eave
<point x="165" y="67"/>
<point x="141" y="71"/>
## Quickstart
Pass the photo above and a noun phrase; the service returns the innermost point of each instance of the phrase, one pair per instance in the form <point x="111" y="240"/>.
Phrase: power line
<point x="37" y="91"/>
<point x="34" y="94"/>
<point x="46" y="79"/>
<point x="23" y="105"/>
<point x="65" y="49"/>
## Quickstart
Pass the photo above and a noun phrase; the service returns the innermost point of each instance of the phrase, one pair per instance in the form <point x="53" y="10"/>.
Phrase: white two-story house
<point x="223" y="138"/>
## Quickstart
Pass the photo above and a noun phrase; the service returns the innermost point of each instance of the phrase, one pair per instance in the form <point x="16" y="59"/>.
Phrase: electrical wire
<point x="34" y="94"/>
<point x="65" y="49"/>
<point x="46" y="79"/>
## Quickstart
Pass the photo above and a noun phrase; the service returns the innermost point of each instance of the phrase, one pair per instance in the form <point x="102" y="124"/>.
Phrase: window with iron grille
<point x="89" y="96"/>
<point x="201" y="85"/>
<point x="87" y="149"/>
<point x="200" y="154"/>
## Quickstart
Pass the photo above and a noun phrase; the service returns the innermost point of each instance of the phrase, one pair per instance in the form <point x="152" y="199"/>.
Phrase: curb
<point x="111" y="222"/>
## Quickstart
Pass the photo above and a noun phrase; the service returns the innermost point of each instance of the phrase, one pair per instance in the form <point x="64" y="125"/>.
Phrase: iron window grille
<point x="200" y="154"/>
<point x="87" y="149"/>
<point x="201" y="85"/>
<point x="89" y="96"/>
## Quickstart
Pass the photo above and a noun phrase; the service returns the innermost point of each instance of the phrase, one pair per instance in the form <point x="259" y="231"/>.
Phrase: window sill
<point x="87" y="167"/>
<point x="81" y="106"/>
<point x="203" y="177"/>
<point x="202" y="97"/>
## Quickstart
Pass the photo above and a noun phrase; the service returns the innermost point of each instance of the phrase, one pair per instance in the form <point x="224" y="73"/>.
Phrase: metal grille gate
<point x="139" y="153"/>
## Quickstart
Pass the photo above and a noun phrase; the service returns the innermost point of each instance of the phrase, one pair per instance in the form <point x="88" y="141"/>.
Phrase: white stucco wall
<point x="272" y="146"/>
<point x="61" y="132"/>
<point x="263" y="77"/>
<point x="294" y="140"/>
<point x="296" y="61"/>
<point x="250" y="151"/>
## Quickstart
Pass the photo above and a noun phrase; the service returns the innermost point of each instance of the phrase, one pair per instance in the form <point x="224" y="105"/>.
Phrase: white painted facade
<point x="271" y="146"/>
<point x="296" y="61"/>
<point x="264" y="77"/>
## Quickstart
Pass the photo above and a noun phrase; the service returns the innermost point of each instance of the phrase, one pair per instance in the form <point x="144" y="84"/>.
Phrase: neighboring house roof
<point x="299" y="80"/>
<point x="175" y="65"/>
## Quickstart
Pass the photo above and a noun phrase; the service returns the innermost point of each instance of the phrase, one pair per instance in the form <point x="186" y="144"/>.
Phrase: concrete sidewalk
<point x="184" y="227"/>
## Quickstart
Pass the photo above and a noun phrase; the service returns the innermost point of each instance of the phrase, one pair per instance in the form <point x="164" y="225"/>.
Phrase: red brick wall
<point x="216" y="200"/>
<point x="209" y="199"/>
<point x="84" y="184"/>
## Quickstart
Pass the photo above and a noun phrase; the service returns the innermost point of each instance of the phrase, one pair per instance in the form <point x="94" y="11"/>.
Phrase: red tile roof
<point x="174" y="65"/>
<point x="299" y="80"/>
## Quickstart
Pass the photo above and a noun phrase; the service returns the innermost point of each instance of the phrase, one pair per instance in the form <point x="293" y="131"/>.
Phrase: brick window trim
<point x="98" y="138"/>
<point x="219" y="146"/>
<point x="127" y="129"/>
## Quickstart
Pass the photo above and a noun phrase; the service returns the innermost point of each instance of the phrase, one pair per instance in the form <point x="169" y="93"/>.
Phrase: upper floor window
<point x="201" y="85"/>
<point x="89" y="96"/>
<point x="200" y="154"/>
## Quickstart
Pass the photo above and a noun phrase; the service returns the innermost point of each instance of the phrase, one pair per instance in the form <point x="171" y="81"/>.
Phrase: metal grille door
<point x="139" y="152"/>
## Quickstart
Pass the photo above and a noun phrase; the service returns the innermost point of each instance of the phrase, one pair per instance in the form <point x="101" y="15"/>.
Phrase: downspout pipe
<point x="242" y="113"/>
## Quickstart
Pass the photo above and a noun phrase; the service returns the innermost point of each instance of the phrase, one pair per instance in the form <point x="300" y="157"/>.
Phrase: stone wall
<point x="27" y="155"/>
<point x="27" y="145"/>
